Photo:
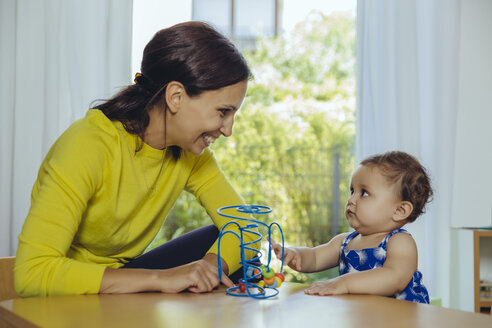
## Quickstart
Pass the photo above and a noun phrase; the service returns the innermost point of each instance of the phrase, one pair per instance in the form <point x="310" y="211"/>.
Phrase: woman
<point x="107" y="184"/>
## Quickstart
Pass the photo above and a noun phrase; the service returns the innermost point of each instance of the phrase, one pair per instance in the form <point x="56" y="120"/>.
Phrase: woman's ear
<point x="402" y="211"/>
<point x="175" y="93"/>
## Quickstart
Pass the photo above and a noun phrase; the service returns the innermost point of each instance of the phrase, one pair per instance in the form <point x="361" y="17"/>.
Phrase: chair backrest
<point x="7" y="290"/>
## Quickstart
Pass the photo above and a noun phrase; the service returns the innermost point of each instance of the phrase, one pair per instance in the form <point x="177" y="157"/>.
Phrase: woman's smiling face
<point x="202" y="119"/>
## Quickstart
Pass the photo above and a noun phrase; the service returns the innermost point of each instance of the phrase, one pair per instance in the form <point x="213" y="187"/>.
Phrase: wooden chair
<point x="7" y="290"/>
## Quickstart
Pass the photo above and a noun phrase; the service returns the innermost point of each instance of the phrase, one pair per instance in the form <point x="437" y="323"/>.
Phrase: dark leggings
<point x="187" y="248"/>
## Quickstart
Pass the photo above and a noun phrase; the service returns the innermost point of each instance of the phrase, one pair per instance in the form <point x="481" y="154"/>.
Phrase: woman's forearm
<point x="121" y="281"/>
<point x="199" y="276"/>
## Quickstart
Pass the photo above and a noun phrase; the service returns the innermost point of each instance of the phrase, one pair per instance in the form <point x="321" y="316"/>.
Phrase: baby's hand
<point x="292" y="258"/>
<point x="333" y="286"/>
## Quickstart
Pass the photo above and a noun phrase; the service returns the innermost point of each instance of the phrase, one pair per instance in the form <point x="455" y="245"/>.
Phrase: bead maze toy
<point x="264" y="276"/>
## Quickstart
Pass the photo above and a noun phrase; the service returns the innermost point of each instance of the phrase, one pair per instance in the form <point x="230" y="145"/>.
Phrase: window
<point x="241" y="20"/>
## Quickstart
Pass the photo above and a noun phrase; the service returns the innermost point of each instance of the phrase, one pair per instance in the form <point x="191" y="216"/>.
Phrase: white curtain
<point x="57" y="56"/>
<point x="407" y="71"/>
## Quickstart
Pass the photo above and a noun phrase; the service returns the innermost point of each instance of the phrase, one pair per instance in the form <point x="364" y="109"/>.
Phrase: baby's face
<point x="373" y="201"/>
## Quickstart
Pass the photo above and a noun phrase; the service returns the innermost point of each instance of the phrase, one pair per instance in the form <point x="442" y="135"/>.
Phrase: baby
<point x="387" y="191"/>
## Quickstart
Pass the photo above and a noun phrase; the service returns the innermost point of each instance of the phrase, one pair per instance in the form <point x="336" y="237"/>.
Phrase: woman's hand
<point x="197" y="277"/>
<point x="292" y="257"/>
<point x="333" y="286"/>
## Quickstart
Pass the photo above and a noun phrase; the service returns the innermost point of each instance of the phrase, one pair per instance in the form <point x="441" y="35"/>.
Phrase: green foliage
<point x="293" y="137"/>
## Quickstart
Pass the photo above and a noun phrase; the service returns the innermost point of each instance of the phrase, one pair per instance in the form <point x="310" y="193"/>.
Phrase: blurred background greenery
<point x="292" y="146"/>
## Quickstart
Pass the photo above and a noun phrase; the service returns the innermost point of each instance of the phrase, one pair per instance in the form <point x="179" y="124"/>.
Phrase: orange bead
<point x="269" y="281"/>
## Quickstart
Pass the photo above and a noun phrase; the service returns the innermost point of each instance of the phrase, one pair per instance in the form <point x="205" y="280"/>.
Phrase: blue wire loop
<point x="252" y="289"/>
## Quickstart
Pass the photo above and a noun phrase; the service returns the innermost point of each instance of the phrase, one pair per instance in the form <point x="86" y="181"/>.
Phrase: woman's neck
<point x="155" y="133"/>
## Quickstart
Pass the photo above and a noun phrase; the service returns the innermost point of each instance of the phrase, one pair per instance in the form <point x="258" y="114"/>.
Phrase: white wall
<point x="472" y="193"/>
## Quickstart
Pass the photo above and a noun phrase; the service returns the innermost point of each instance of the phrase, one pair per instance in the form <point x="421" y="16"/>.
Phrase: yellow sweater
<point x="91" y="207"/>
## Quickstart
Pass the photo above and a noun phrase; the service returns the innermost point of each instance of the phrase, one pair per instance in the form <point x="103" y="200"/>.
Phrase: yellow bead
<point x="279" y="281"/>
<point x="261" y="284"/>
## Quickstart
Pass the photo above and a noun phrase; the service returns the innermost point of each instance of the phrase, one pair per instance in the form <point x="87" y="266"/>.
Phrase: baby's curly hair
<point x="400" y="167"/>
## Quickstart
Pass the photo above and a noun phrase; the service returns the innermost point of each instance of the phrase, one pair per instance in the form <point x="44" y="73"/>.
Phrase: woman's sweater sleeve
<point x="213" y="191"/>
<point x="68" y="177"/>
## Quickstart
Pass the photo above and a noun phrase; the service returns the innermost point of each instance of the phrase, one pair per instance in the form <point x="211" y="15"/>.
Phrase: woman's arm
<point x="199" y="276"/>
<point x="67" y="178"/>
<point x="391" y="278"/>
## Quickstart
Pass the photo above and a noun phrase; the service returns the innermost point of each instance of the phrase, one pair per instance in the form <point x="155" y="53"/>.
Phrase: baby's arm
<point x="393" y="277"/>
<point x="306" y="259"/>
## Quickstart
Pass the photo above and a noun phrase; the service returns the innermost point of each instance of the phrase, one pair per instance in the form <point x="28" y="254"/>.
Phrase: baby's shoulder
<point x="340" y="238"/>
<point x="402" y="240"/>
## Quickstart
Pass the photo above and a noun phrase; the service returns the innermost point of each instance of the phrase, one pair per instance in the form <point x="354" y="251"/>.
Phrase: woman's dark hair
<point x="192" y="53"/>
<point x="400" y="167"/>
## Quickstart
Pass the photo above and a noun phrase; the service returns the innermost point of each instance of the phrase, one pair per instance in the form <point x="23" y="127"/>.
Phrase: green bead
<point x="267" y="273"/>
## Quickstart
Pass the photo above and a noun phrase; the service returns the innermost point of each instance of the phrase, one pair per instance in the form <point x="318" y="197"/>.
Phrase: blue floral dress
<point x="370" y="258"/>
